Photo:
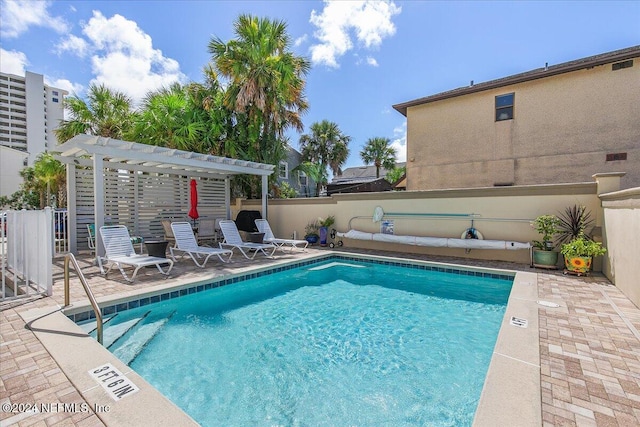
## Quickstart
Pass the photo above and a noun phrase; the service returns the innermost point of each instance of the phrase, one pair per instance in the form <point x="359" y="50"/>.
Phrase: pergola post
<point x="227" y="196"/>
<point x="265" y="183"/>
<point x="71" y="211"/>
<point x="98" y="194"/>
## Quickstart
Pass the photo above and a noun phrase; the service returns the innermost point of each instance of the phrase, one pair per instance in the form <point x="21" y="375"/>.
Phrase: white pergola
<point x="106" y="154"/>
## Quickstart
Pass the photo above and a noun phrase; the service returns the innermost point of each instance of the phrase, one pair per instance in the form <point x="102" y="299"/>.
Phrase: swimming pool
<point x="337" y="342"/>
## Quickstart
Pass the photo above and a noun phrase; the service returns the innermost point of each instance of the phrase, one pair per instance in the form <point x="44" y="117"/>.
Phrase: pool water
<point x="350" y="344"/>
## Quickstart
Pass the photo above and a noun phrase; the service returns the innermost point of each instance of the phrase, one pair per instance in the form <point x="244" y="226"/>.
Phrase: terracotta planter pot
<point x="578" y="264"/>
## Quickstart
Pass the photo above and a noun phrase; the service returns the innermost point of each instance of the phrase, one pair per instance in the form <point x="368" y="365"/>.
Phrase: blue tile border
<point x="112" y="309"/>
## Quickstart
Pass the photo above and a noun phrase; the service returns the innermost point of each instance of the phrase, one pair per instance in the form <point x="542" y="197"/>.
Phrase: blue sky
<point x="366" y="56"/>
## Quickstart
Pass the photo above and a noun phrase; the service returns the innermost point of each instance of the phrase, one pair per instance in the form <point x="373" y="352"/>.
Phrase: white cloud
<point x="372" y="61"/>
<point x="400" y="142"/>
<point x="370" y="20"/>
<point x="64" y="84"/>
<point x="123" y="57"/>
<point x="74" y="44"/>
<point x="13" y="62"/>
<point x="300" y="40"/>
<point x="18" y="15"/>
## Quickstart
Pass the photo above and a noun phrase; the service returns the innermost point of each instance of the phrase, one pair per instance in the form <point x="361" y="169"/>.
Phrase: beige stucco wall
<point x="622" y="227"/>
<point x="504" y="214"/>
<point x="563" y="127"/>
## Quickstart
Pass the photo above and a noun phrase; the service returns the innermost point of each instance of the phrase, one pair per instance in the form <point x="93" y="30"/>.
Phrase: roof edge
<point x="538" y="73"/>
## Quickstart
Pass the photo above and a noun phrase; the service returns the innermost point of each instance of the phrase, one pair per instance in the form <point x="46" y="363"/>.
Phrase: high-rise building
<point x="30" y="110"/>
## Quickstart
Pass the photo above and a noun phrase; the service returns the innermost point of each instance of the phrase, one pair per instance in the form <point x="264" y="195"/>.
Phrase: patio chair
<point x="91" y="238"/>
<point x="207" y="231"/>
<point x="168" y="232"/>
<point x="119" y="252"/>
<point x="263" y="227"/>
<point x="233" y="240"/>
<point x="187" y="244"/>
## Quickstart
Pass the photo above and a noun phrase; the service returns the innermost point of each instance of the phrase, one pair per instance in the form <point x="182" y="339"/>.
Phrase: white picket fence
<point x="26" y="253"/>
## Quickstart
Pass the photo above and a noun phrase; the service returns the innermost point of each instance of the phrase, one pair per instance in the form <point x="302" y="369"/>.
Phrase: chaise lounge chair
<point x="119" y="252"/>
<point x="187" y="244"/>
<point x="263" y="227"/>
<point x="233" y="240"/>
<point x="91" y="238"/>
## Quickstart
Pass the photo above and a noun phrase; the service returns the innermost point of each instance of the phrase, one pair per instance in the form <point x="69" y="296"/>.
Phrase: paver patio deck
<point x="589" y="346"/>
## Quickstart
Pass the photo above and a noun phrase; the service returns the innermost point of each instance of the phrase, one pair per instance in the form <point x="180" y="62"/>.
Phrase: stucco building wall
<point x="563" y="128"/>
<point x="11" y="163"/>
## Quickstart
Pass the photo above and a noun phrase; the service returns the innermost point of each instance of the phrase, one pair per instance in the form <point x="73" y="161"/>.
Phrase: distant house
<point x="361" y="179"/>
<point x="298" y="180"/>
<point x="556" y="124"/>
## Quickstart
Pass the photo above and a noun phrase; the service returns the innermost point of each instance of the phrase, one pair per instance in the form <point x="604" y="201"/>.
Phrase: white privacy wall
<point x="140" y="200"/>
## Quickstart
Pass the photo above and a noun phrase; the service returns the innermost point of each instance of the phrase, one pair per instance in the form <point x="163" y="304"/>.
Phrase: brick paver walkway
<point x="589" y="348"/>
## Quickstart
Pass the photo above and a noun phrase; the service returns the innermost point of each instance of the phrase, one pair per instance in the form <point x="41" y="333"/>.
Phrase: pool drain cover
<point x="516" y="321"/>
<point x="548" y="304"/>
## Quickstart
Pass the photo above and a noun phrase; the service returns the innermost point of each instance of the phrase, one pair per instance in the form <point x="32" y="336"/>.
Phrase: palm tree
<point x="378" y="152"/>
<point x="107" y="113"/>
<point x="313" y="171"/>
<point x="51" y="176"/>
<point x="325" y="146"/>
<point x="167" y="118"/>
<point x="266" y="79"/>
<point x="265" y="87"/>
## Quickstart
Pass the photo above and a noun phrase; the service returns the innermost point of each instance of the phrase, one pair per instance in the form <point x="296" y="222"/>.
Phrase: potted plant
<point x="579" y="252"/>
<point x="574" y="221"/>
<point x="311" y="232"/>
<point x="544" y="255"/>
<point x="323" y="228"/>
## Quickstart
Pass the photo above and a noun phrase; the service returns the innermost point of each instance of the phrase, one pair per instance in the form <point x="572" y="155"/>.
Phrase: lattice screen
<point x="140" y="200"/>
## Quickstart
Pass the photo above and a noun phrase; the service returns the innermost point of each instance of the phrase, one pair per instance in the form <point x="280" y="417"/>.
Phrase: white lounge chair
<point x="233" y="240"/>
<point x="187" y="244"/>
<point x="263" y="227"/>
<point x="119" y="251"/>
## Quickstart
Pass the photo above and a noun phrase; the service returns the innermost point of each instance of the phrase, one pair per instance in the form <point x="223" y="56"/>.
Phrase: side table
<point x="157" y="248"/>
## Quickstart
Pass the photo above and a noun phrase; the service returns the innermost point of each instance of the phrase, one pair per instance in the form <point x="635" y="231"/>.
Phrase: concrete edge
<point x="511" y="394"/>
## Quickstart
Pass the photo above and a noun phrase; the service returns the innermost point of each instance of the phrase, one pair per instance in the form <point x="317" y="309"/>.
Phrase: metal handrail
<point x="71" y="258"/>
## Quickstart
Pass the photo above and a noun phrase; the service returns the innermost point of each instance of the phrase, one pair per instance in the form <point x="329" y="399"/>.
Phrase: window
<point x="302" y="179"/>
<point x="55" y="99"/>
<point x="504" y="107"/>
<point x="54" y="92"/>
<point x="283" y="170"/>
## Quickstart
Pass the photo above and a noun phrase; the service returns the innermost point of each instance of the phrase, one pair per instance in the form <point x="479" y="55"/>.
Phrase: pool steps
<point x="90" y="326"/>
<point x="135" y="339"/>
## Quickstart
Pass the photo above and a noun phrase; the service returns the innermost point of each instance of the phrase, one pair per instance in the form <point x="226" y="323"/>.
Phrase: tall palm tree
<point x="266" y="79"/>
<point x="326" y="146"/>
<point x="105" y="113"/>
<point x="380" y="153"/>
<point x="265" y="86"/>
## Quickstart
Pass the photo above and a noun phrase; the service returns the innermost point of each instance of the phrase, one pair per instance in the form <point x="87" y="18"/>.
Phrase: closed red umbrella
<point x="193" y="212"/>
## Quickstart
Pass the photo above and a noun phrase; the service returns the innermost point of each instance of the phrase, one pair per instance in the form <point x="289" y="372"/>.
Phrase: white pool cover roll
<point x="435" y="242"/>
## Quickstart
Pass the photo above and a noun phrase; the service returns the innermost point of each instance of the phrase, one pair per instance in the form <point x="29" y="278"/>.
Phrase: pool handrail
<point x="96" y="309"/>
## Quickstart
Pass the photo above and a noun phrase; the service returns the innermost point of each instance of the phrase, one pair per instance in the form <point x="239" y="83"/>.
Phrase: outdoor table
<point x="256" y="237"/>
<point x="157" y="248"/>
